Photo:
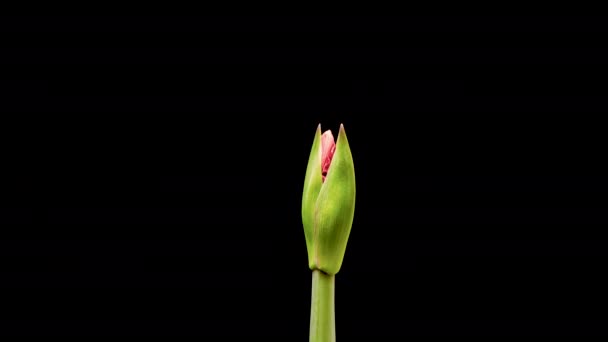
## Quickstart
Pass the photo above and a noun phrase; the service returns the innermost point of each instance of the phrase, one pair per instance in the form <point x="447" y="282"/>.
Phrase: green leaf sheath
<point x="335" y="209"/>
<point x="322" y="310"/>
<point x="312" y="187"/>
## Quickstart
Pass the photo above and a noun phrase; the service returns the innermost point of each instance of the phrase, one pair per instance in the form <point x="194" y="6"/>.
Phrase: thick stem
<point x="322" y="312"/>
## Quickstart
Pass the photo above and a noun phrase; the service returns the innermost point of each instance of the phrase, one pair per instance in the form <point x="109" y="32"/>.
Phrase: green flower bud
<point x="328" y="201"/>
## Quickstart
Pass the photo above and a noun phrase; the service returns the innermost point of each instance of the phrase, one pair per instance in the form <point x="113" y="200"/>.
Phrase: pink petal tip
<point x="328" y="147"/>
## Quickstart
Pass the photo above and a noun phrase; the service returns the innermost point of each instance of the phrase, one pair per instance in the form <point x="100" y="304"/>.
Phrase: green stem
<point x="322" y="311"/>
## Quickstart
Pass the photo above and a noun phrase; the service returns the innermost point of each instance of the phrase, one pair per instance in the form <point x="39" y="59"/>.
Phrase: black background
<point x="160" y="165"/>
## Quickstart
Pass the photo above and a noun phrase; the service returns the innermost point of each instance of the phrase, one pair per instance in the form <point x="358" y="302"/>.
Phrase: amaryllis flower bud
<point x="328" y="201"/>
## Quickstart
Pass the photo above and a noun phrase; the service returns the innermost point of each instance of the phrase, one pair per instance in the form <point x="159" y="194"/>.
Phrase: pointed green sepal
<point x="312" y="187"/>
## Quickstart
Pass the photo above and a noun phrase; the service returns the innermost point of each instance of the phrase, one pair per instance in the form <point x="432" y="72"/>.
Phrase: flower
<point x="328" y="201"/>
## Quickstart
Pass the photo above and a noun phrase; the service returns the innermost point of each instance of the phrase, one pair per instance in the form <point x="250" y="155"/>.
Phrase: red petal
<point x="328" y="147"/>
